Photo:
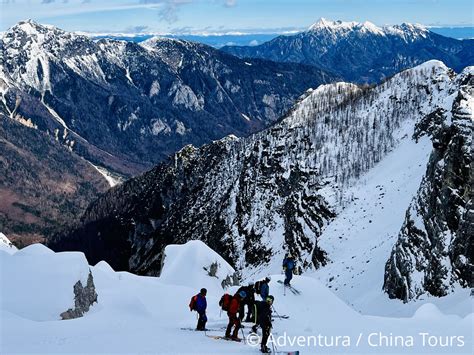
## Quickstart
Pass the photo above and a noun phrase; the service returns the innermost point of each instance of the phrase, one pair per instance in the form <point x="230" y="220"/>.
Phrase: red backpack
<point x="192" y="303"/>
<point x="225" y="301"/>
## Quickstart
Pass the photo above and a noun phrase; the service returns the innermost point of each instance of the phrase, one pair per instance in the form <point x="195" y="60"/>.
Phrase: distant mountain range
<point x="219" y="40"/>
<point x="121" y="106"/>
<point x="362" y="52"/>
<point x="127" y="106"/>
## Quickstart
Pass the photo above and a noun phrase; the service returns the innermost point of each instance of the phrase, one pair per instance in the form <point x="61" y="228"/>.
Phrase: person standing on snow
<point x="264" y="288"/>
<point x="234" y="320"/>
<point x="289" y="265"/>
<point x="249" y="301"/>
<point x="263" y="318"/>
<point x="199" y="304"/>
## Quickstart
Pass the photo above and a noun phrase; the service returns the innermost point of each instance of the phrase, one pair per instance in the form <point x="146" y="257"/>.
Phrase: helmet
<point x="268" y="279"/>
<point x="203" y="291"/>
<point x="269" y="299"/>
<point x="243" y="294"/>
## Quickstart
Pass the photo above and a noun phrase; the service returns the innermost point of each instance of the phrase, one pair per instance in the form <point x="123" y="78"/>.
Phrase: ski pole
<point x="276" y="311"/>
<point x="275" y="350"/>
<point x="243" y="334"/>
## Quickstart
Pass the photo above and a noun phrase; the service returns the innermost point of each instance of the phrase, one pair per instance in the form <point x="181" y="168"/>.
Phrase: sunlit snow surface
<point x="138" y="314"/>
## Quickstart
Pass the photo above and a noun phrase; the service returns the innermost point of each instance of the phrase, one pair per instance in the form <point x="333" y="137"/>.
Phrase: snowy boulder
<point x="41" y="285"/>
<point x="6" y="245"/>
<point x="196" y="265"/>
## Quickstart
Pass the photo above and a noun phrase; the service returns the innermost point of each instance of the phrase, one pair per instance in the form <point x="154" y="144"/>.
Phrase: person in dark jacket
<point x="263" y="318"/>
<point x="200" y="306"/>
<point x="248" y="301"/>
<point x="288" y="266"/>
<point x="234" y="320"/>
<point x="265" y="288"/>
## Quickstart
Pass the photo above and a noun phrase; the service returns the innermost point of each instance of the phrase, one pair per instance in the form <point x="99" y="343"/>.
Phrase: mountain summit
<point x="127" y="106"/>
<point x="362" y="52"/>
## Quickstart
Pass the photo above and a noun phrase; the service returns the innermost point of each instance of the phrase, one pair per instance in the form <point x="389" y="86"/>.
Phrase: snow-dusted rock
<point x="6" y="245"/>
<point x="39" y="284"/>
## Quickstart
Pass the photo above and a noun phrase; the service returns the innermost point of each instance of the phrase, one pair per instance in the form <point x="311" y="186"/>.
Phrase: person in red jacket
<point x="233" y="318"/>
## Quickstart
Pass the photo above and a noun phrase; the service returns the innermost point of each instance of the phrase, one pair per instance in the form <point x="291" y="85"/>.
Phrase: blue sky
<point x="186" y="16"/>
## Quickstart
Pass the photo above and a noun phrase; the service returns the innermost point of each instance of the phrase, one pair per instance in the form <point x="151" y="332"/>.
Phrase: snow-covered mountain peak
<point x="152" y="42"/>
<point x="323" y="23"/>
<point x="342" y="27"/>
<point x="33" y="31"/>
<point x="31" y="27"/>
<point x="407" y="31"/>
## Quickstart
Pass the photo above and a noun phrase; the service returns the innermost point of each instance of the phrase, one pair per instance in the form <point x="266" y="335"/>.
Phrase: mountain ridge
<point x="362" y="52"/>
<point x="253" y="199"/>
<point x="148" y="107"/>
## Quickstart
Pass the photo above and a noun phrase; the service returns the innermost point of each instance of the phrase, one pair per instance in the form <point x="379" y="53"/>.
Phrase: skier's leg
<point x="288" y="275"/>
<point x="229" y="327"/>
<point x="249" y="312"/>
<point x="202" y="321"/>
<point x="265" y="335"/>
<point x="235" y="334"/>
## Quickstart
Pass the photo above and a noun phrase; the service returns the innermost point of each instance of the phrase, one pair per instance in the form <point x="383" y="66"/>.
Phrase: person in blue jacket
<point x="265" y="288"/>
<point x="288" y="266"/>
<point x="199" y="304"/>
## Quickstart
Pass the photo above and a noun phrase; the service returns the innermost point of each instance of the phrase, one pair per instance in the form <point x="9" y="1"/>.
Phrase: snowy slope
<point x="359" y="240"/>
<point x="137" y="314"/>
<point x="39" y="283"/>
<point x="192" y="264"/>
<point x="6" y="245"/>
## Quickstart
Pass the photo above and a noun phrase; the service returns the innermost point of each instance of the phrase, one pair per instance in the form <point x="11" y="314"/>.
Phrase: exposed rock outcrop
<point x="84" y="298"/>
<point x="435" y="249"/>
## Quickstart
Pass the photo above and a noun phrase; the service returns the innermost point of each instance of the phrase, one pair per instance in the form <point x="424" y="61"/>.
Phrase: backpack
<point x="192" y="303"/>
<point x="225" y="301"/>
<point x="290" y="264"/>
<point x="258" y="287"/>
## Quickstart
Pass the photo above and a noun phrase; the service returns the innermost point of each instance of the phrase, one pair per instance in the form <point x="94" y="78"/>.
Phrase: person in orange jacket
<point x="233" y="318"/>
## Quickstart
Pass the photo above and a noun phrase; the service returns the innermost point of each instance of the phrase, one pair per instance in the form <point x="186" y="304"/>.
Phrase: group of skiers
<point x="258" y="311"/>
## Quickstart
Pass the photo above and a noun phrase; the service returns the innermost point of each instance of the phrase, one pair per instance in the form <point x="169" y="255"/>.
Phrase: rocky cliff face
<point x="362" y="52"/>
<point x="127" y="106"/>
<point x="254" y="199"/>
<point x="434" y="252"/>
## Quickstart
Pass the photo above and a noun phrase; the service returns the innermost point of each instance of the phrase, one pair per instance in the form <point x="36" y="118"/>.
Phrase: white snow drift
<point x="144" y="314"/>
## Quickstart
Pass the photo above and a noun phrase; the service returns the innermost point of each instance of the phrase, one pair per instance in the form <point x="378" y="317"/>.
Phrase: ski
<point x="280" y="316"/>
<point x="291" y="288"/>
<point x="219" y="337"/>
<point x="195" y="330"/>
